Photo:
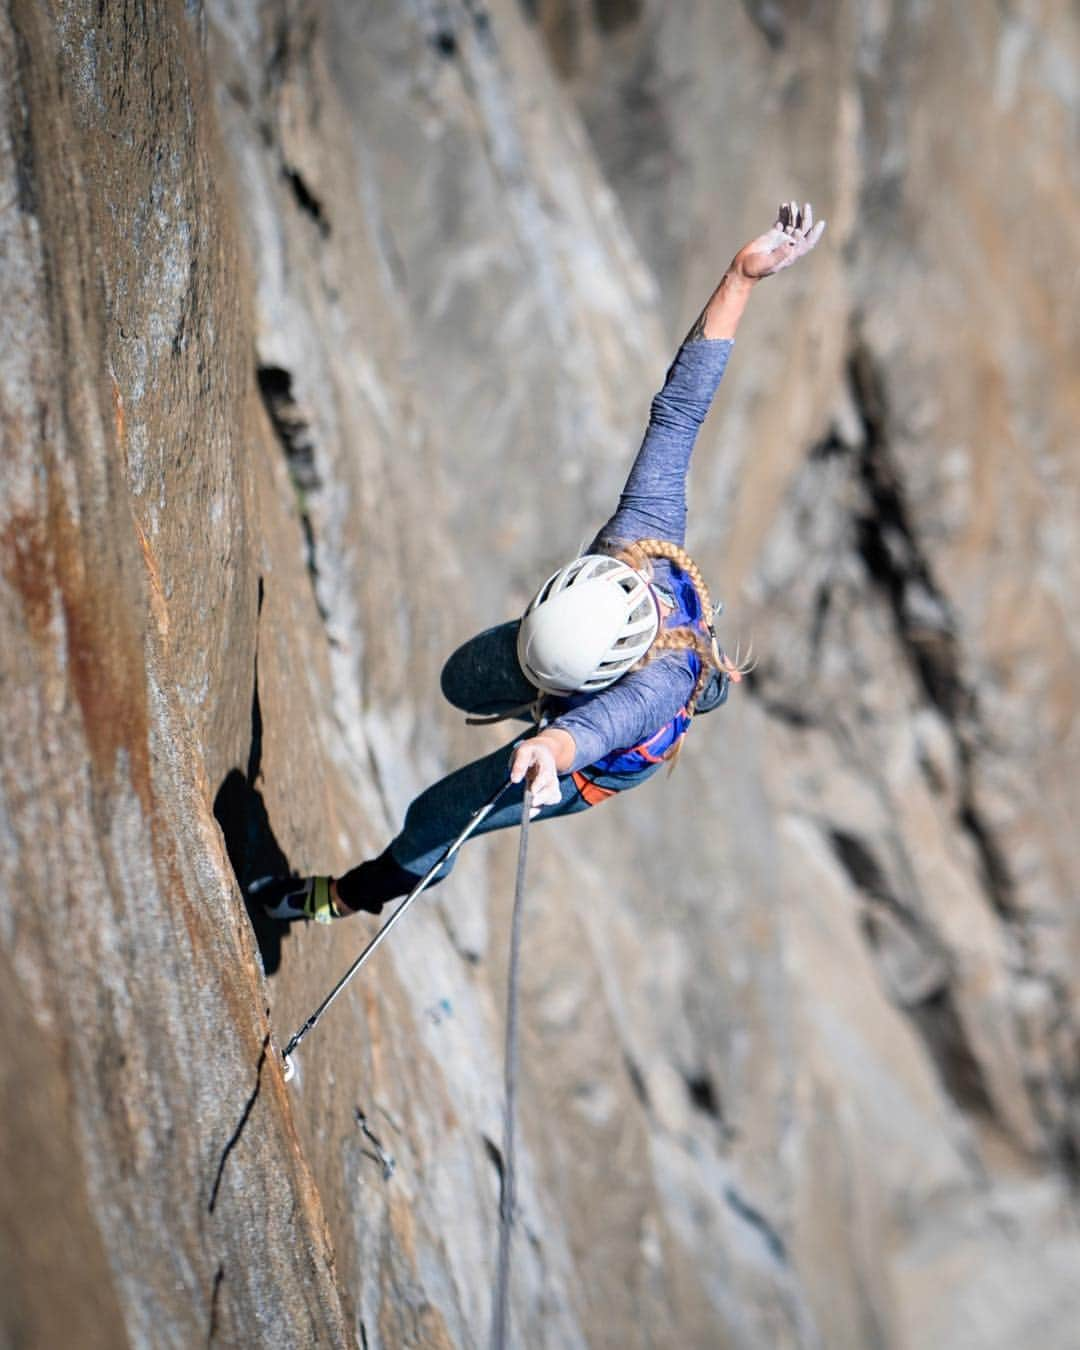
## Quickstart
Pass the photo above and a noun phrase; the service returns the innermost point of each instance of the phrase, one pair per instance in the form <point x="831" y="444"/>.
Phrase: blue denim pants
<point x="483" y="678"/>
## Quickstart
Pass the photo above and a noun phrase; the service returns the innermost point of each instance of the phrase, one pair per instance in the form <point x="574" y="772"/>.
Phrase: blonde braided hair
<point x="639" y="555"/>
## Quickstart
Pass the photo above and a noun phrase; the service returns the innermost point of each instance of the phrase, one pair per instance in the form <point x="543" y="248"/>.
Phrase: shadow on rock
<point x="249" y="838"/>
<point x="253" y="852"/>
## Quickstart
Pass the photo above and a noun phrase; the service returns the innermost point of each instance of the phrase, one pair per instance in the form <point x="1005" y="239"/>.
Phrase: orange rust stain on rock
<point x="374" y="1029"/>
<point x="158" y="607"/>
<point x="105" y="656"/>
<point x="118" y="414"/>
<point x="404" y="1320"/>
<point x="24" y="547"/>
<point x="180" y="900"/>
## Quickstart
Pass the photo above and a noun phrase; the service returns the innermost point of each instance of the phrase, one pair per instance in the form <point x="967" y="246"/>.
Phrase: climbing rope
<point x="507" y="1202"/>
<point x="313" y="1021"/>
<point x="501" y="1317"/>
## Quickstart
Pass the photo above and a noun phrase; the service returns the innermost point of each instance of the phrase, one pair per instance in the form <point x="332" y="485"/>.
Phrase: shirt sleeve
<point x="653" y="502"/>
<point x="628" y="711"/>
<point x="652" y="506"/>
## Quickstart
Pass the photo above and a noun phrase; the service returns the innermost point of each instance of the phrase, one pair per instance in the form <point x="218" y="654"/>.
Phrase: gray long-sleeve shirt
<point x="652" y="506"/>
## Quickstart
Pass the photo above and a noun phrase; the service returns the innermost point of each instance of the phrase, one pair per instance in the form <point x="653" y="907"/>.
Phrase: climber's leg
<point x="435" y="819"/>
<point x="483" y="676"/>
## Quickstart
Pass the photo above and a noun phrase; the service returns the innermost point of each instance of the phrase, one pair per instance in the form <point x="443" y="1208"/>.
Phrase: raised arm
<point x="653" y="501"/>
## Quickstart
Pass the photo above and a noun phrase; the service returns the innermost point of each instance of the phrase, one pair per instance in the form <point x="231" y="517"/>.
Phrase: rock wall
<point x="155" y="1190"/>
<point x="330" y="326"/>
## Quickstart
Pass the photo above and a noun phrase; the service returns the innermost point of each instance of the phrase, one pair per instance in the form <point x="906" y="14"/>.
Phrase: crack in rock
<point x="306" y="199"/>
<point x="924" y="621"/>
<point x="241" y="1125"/>
<point x="292" y="426"/>
<point x="219" y="1278"/>
<point x="761" y="1225"/>
<point x="864" y="477"/>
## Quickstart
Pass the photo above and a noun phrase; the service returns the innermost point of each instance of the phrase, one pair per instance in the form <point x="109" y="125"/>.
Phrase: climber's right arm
<point x="653" y="502"/>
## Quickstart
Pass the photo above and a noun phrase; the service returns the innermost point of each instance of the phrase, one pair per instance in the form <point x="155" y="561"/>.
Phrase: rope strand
<point x="500" y="1321"/>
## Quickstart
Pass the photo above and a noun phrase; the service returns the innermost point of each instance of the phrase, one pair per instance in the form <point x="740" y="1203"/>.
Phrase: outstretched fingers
<point x="793" y="234"/>
<point x="798" y="230"/>
<point x="795" y="221"/>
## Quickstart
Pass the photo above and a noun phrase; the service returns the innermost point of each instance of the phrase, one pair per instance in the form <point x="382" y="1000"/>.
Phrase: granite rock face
<point x="328" y="327"/>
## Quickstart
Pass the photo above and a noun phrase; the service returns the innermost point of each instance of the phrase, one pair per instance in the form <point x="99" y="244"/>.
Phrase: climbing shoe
<point x="288" y="898"/>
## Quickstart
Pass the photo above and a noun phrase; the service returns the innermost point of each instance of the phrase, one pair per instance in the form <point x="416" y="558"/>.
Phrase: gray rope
<point x="313" y="1021"/>
<point x="500" y="1322"/>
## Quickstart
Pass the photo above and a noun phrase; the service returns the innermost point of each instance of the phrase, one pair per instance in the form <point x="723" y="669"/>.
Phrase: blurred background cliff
<point x="327" y="327"/>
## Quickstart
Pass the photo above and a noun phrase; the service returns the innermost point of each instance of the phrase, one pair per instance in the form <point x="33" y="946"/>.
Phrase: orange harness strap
<point x="593" y="793"/>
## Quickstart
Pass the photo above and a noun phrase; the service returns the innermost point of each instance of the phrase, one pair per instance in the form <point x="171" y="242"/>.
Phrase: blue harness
<point x="641" y="761"/>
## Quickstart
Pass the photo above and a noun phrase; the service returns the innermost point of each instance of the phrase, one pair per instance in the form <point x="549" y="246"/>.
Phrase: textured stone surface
<point x="328" y="328"/>
<point x="129" y="599"/>
<point x="898" y="529"/>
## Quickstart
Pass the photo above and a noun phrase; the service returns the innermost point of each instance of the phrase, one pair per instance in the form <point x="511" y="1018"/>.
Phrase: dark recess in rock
<point x="941" y="1029"/>
<point x="290" y="424"/>
<point x="995" y="870"/>
<point x="861" y="866"/>
<point x="23" y="144"/>
<point x="378" y="1153"/>
<point x="307" y="201"/>
<point x="703" y="1094"/>
<point x="768" y="17"/>
<point x="481" y="21"/>
<point x="219" y="1277"/>
<point x="888" y="546"/>
<point x="1069" y="1149"/>
<point x="495" y="1157"/>
<point x="445" y="42"/>
<point x="789" y="713"/>
<point x="293" y="430"/>
<point x="637" y="1082"/>
<point x="828" y="448"/>
<point x="822" y="602"/>
<point x="890" y="549"/>
<point x="249" y="839"/>
<point x="294" y="38"/>
<point x="612" y="15"/>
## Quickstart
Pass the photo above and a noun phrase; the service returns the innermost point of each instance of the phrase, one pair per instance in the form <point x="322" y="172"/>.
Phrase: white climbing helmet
<point x="587" y="625"/>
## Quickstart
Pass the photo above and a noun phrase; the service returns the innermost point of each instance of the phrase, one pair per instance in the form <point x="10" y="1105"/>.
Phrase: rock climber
<point x="613" y="657"/>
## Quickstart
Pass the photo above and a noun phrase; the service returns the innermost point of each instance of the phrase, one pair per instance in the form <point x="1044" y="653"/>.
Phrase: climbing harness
<point x="312" y="1022"/>
<point x="500" y="1322"/>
